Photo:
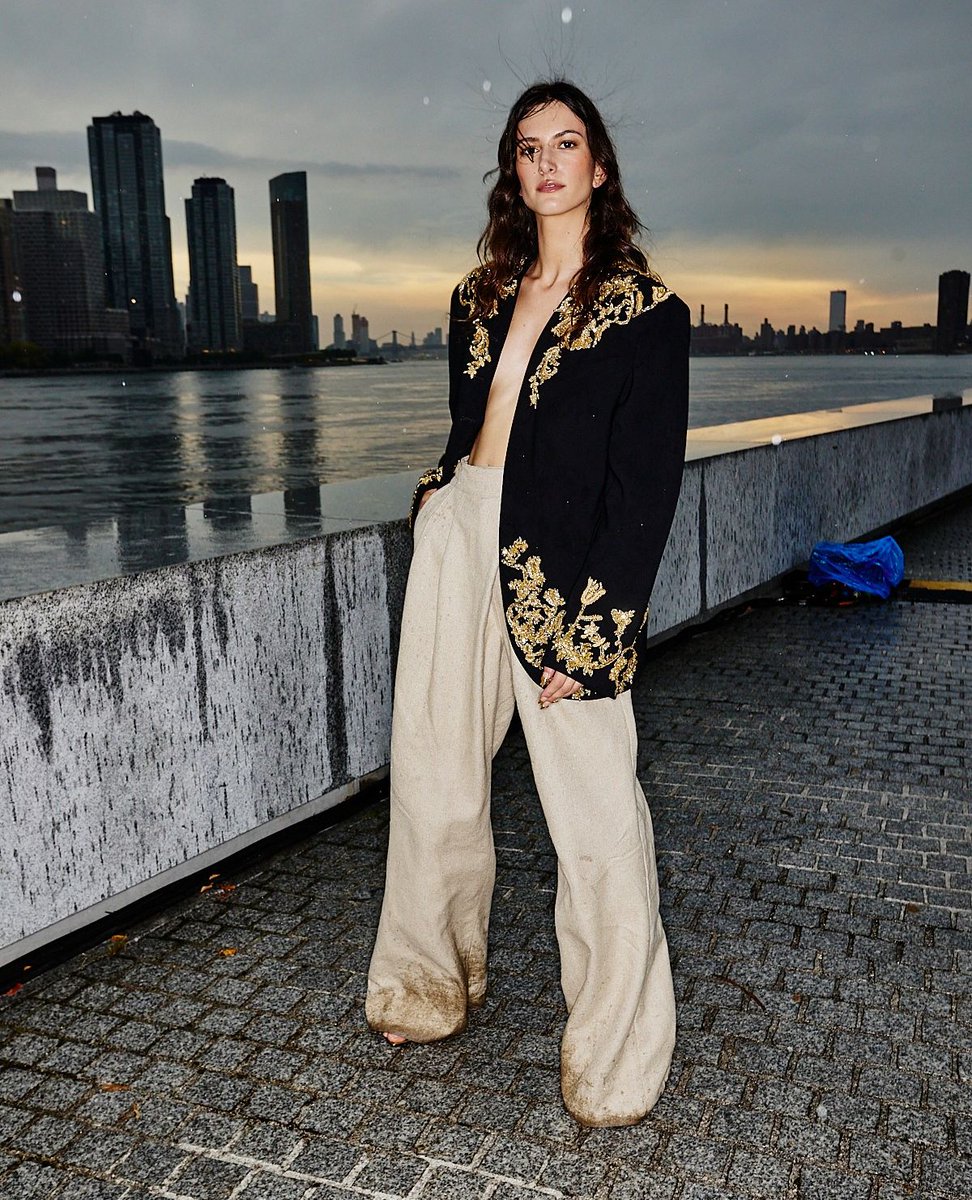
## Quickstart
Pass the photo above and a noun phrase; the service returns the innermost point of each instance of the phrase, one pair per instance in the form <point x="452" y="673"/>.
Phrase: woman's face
<point x="553" y="162"/>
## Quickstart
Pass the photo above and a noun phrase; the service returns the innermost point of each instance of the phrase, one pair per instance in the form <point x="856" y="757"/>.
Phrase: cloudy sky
<point x="775" y="148"/>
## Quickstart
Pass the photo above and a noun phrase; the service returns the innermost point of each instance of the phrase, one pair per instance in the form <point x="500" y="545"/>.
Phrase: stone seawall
<point x="155" y="722"/>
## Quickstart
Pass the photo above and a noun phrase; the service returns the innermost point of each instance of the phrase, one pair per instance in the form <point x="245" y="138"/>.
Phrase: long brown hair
<point x="509" y="241"/>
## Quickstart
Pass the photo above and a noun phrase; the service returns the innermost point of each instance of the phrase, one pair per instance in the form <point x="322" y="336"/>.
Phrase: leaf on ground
<point x="114" y="1087"/>
<point x="911" y="907"/>
<point x="228" y="951"/>
<point x="221" y="891"/>
<point x="12" y="991"/>
<point x="750" y="995"/>
<point x="134" y="1111"/>
<point x="117" y="942"/>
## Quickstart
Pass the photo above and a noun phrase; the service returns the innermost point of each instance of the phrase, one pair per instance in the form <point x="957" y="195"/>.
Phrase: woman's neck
<point x="560" y="251"/>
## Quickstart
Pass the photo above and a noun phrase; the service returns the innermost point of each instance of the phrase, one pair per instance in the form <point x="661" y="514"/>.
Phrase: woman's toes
<point x="395" y="1039"/>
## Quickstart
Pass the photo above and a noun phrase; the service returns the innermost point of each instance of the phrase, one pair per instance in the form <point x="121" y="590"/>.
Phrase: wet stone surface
<point x="808" y="774"/>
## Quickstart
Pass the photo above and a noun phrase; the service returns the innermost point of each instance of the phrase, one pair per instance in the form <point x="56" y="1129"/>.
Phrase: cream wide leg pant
<point x="456" y="686"/>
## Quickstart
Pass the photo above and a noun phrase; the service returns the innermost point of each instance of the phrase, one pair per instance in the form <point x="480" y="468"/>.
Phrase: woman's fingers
<point x="556" y="686"/>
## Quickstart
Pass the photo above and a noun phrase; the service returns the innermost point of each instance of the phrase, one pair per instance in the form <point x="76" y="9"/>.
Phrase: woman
<point x="537" y="541"/>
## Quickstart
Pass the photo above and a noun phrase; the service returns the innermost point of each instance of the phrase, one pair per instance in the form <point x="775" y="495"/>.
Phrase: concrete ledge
<point x="152" y="721"/>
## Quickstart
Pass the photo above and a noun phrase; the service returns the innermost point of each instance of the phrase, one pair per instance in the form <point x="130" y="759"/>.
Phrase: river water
<point x="86" y="447"/>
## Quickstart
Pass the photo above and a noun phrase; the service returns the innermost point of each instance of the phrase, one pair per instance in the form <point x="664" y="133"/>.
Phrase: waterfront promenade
<point x="808" y="772"/>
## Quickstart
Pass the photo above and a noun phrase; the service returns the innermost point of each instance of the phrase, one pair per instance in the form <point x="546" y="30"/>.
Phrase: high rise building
<point x="838" y="312"/>
<point x="213" y="318"/>
<point x="11" y="296"/>
<point x="249" y="295"/>
<point x="953" y="310"/>
<point x="339" y="335"/>
<point x="57" y="247"/>
<point x="291" y="254"/>
<point x="129" y="197"/>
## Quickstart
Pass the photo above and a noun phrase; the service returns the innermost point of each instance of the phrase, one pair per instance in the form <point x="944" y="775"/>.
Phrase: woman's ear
<point x="599" y="175"/>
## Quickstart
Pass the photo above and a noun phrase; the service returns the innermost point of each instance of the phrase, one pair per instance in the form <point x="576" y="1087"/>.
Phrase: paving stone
<point x="641" y="1182"/>
<point x="573" y="1174"/>
<point x="78" y="1188"/>
<point x="275" y="1064"/>
<point x="150" y="1162"/>
<point x="96" y="1149"/>
<point x="947" y="1176"/>
<point x="808" y="1139"/>
<point x="158" y="1116"/>
<point x="391" y="1174"/>
<point x="33" y="1181"/>
<point x="817" y="1183"/>
<point x="446" y="1184"/>
<point x="702" y="1191"/>
<point x="515" y="1158"/>
<point x="389" y="1129"/>
<point x="206" y="1178"/>
<point x="212" y="1130"/>
<point x="264" y="1185"/>
<point x="46" y="1135"/>
<point x="697" y="1159"/>
<point x="758" y="1174"/>
<point x="274" y="1103"/>
<point x="377" y="1087"/>
<point x="324" y="1157"/>
<point x="331" y="1116"/>
<point x="449" y="1141"/>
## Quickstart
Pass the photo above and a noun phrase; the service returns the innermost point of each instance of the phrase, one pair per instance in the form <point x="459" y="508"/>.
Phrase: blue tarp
<point x="874" y="567"/>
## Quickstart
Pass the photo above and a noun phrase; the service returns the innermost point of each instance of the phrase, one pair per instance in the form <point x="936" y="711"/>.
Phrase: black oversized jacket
<point x="592" y="472"/>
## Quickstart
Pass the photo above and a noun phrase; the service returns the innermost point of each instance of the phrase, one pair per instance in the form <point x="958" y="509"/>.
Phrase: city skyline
<point x="776" y="155"/>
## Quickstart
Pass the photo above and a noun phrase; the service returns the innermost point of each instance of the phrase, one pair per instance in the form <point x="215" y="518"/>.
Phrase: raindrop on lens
<point x="566" y="15"/>
<point x="777" y="439"/>
<point x="487" y="85"/>
<point x="425" y="100"/>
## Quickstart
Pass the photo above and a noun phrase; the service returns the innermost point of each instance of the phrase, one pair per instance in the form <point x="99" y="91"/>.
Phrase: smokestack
<point x="725" y="319"/>
<point x="702" y="316"/>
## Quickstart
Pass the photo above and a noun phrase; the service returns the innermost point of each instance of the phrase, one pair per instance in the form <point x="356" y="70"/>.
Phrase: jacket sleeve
<point x="459" y="337"/>
<point x="606" y="610"/>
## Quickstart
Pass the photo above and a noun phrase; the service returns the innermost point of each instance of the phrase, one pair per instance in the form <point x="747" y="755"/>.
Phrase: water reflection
<point x="101" y="447"/>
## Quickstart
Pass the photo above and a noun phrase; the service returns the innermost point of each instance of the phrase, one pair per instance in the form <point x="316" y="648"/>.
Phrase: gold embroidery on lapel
<point x="536" y="620"/>
<point x="546" y="369"/>
<point x="479" y="344"/>
<point x="619" y="301"/>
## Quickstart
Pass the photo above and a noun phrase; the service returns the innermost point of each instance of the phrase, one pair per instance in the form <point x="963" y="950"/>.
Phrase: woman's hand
<point x="554" y="686"/>
<point x="425" y="495"/>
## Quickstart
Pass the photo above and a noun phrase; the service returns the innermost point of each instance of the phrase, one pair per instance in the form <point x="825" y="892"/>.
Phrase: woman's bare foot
<point x="395" y="1039"/>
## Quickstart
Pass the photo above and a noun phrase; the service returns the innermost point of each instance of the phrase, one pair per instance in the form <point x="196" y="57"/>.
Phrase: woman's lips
<point x="550" y="186"/>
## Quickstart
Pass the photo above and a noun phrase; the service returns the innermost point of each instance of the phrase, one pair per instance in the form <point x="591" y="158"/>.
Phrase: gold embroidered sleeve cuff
<point x="428" y="479"/>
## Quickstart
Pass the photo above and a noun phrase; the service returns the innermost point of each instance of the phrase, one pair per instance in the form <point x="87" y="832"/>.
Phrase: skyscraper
<point x="249" y="295"/>
<point x="838" y="312"/>
<point x="129" y="197"/>
<point x="953" y="310"/>
<point x="57" y="246"/>
<point x="11" y="296"/>
<point x="213" y="316"/>
<point x="339" y="336"/>
<point x="291" y="254"/>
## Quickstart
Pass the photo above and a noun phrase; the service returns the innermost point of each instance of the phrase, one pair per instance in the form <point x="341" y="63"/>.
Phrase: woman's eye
<point x="568" y="144"/>
<point x="528" y="152"/>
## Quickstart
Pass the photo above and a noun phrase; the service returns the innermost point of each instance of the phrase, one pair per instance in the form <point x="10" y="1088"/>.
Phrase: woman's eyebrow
<point x="563" y="133"/>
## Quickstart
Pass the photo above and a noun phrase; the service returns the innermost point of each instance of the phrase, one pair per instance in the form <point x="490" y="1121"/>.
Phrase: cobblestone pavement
<point x="808" y="774"/>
